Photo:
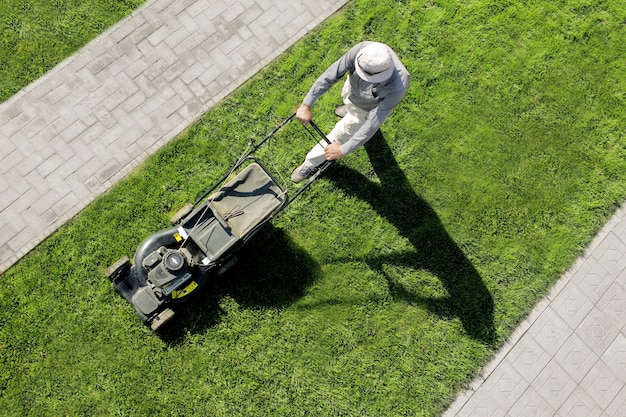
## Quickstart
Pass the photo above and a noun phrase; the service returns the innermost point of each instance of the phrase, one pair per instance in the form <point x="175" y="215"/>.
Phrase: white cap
<point x="374" y="63"/>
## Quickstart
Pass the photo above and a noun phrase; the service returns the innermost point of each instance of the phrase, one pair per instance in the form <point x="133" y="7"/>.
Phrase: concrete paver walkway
<point x="568" y="358"/>
<point x="73" y="133"/>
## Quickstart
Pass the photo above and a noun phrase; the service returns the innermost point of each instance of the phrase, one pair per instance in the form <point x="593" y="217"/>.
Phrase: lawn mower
<point x="173" y="264"/>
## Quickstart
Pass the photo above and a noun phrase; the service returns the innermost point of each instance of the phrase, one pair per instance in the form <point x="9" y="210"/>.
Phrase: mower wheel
<point x="161" y="318"/>
<point x="119" y="268"/>
<point x="180" y="214"/>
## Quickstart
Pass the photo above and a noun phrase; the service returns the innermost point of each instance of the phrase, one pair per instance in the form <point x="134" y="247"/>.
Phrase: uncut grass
<point x="35" y="35"/>
<point x="387" y="286"/>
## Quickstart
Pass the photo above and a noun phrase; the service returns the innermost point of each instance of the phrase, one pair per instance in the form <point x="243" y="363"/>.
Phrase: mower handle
<point x="256" y="146"/>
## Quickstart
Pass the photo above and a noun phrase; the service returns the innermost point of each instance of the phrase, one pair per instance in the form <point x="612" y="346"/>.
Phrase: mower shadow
<point x="435" y="251"/>
<point x="271" y="272"/>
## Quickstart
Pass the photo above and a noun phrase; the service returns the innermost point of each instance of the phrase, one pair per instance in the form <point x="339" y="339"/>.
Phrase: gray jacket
<point x="379" y="99"/>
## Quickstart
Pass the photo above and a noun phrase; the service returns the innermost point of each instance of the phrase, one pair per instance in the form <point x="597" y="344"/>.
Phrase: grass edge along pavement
<point x="36" y="35"/>
<point x="370" y="328"/>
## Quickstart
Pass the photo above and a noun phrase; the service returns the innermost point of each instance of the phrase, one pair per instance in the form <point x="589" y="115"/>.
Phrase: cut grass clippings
<point x="387" y="286"/>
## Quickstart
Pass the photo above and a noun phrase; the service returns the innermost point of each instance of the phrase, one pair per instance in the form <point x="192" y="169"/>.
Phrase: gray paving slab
<point x="568" y="358"/>
<point x="75" y="132"/>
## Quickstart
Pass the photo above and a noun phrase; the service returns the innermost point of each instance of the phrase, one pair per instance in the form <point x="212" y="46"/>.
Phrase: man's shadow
<point x="396" y="201"/>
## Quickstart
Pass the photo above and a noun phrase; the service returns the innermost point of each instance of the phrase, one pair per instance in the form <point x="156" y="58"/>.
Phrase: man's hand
<point x="333" y="151"/>
<point x="304" y="114"/>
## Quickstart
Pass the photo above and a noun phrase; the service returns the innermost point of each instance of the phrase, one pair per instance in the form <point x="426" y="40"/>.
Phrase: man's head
<point x="374" y="63"/>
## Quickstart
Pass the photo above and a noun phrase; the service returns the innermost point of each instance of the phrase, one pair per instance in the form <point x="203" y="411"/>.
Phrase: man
<point x="377" y="81"/>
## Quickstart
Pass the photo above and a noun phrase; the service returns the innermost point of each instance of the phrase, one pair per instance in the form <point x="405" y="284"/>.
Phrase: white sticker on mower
<point x="182" y="233"/>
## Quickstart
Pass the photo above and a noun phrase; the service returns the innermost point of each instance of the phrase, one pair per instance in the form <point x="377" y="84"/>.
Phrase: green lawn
<point x="386" y="287"/>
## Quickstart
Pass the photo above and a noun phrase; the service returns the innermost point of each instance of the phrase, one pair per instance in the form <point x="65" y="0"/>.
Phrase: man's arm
<point x="333" y="73"/>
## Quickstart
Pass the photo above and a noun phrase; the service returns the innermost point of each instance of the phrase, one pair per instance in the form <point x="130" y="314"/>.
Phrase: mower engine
<point x="168" y="269"/>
